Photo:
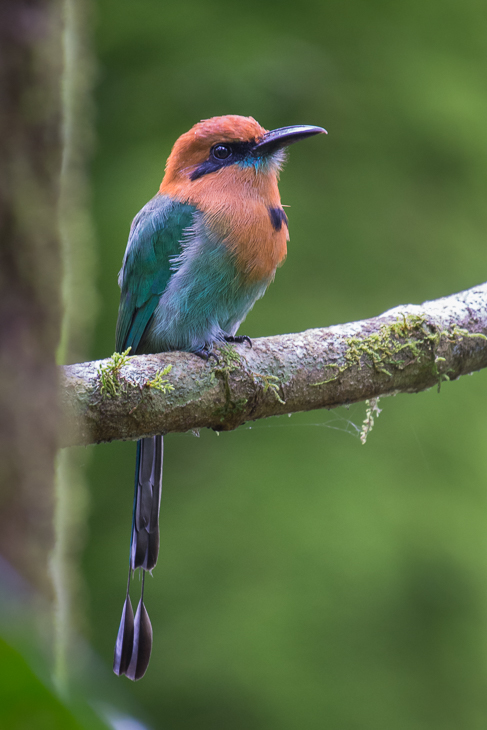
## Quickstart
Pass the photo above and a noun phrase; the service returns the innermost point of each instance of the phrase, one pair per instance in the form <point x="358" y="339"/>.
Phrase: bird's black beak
<point x="285" y="136"/>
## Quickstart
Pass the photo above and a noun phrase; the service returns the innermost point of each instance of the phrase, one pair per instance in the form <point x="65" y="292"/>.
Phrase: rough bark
<point x="30" y="160"/>
<point x="407" y="349"/>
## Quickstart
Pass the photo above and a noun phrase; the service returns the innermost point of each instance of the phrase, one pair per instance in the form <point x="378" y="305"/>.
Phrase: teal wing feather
<point x="155" y="239"/>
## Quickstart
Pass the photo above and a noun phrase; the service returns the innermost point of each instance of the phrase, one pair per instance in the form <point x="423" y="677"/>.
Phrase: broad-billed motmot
<point x="199" y="255"/>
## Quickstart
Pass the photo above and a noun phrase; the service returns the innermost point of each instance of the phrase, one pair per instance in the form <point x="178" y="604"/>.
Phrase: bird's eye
<point x="221" y="151"/>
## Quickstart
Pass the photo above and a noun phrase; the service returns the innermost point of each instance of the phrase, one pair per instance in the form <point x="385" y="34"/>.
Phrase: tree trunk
<point x="30" y="256"/>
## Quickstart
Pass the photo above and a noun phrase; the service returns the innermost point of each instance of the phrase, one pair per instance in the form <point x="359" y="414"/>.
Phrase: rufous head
<point x="217" y="143"/>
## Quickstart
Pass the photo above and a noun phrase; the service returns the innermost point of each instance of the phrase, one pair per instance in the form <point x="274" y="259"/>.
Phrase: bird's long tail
<point x="134" y="640"/>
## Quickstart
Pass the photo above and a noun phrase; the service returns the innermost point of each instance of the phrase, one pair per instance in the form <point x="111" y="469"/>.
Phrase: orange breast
<point x="236" y="204"/>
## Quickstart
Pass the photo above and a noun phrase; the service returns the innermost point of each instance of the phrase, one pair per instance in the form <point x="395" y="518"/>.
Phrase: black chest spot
<point x="278" y="217"/>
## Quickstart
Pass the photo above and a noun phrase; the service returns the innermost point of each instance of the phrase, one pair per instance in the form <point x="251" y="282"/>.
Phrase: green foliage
<point x="228" y="359"/>
<point x="270" y="382"/>
<point x="228" y="362"/>
<point x="110" y="379"/>
<point x="27" y="702"/>
<point x="159" y="382"/>
<point x="410" y="336"/>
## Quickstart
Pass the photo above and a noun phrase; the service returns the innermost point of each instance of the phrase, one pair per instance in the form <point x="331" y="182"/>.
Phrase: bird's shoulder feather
<point x="154" y="240"/>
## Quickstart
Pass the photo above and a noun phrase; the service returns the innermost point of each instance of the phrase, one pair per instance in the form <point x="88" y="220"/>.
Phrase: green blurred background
<point x="304" y="580"/>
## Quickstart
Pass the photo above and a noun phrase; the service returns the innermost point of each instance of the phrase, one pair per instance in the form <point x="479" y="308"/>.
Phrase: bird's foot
<point x="238" y="339"/>
<point x="205" y="355"/>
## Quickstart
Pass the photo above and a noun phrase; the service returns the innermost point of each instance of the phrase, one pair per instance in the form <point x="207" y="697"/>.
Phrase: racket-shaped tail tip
<point x="142" y="644"/>
<point x="125" y="640"/>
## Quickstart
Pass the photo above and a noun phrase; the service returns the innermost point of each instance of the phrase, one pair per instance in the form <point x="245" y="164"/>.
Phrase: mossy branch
<point x="407" y="349"/>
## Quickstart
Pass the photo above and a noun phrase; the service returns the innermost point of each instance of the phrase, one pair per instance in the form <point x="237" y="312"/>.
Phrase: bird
<point x="198" y="257"/>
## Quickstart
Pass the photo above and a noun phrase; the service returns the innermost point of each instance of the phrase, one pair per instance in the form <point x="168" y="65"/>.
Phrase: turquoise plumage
<point x="154" y="241"/>
<point x="181" y="289"/>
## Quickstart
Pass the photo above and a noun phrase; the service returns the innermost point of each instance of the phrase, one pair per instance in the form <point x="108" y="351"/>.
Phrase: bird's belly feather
<point x="205" y="299"/>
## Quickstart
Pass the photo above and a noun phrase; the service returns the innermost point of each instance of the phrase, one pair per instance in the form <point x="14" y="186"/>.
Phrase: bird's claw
<point x="205" y="355"/>
<point x="238" y="339"/>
